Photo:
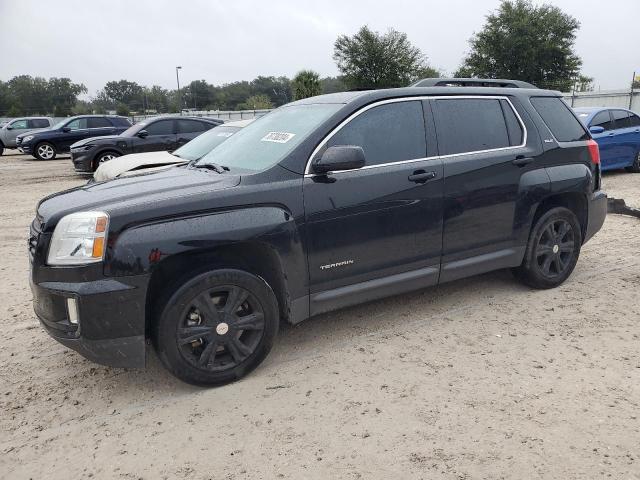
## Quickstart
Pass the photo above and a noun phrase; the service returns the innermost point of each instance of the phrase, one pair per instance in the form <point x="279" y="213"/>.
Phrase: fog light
<point x="72" y="311"/>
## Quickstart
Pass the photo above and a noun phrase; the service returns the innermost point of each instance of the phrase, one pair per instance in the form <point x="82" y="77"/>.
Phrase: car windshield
<point x="269" y="139"/>
<point x="62" y="123"/>
<point x="133" y="129"/>
<point x="204" y="143"/>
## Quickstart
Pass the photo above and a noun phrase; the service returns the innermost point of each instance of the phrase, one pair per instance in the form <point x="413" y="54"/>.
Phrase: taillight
<point x="594" y="151"/>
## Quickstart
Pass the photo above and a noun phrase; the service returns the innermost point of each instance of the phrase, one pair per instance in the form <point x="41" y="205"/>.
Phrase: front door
<point x="161" y="136"/>
<point x="606" y="139"/>
<point x="366" y="228"/>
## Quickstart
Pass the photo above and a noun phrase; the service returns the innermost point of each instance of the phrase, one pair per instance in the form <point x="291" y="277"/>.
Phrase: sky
<point x="95" y="41"/>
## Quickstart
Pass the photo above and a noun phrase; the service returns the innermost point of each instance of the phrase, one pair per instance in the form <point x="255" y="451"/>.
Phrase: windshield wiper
<point x="212" y="166"/>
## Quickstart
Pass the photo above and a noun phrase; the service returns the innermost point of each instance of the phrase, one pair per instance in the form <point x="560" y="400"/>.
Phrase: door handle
<point x="420" y="176"/>
<point x="521" y="161"/>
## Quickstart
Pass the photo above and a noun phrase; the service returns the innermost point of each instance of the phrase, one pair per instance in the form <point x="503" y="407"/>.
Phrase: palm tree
<point x="306" y="84"/>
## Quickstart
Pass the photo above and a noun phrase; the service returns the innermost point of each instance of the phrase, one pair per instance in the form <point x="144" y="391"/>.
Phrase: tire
<point x="104" y="157"/>
<point x="200" y="339"/>
<point x="1" y="149"/>
<point x="552" y="251"/>
<point x="635" y="168"/>
<point x="44" y="151"/>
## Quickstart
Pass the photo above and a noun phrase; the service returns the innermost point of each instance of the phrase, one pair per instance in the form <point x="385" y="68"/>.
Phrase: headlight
<point x="28" y="138"/>
<point x="79" y="238"/>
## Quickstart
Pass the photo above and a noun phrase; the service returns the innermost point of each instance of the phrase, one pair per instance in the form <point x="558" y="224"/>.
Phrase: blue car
<point x="617" y="132"/>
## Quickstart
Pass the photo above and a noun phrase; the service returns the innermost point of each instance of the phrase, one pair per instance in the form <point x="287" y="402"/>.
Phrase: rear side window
<point x="38" y="123"/>
<point x="190" y="126"/>
<point x="602" y="119"/>
<point x="99" y="122"/>
<point x="558" y="117"/>
<point x="161" y="127"/>
<point x="621" y="118"/>
<point x="120" y="121"/>
<point x="470" y="125"/>
<point x="514" y="128"/>
<point x="635" y="120"/>
<point x="387" y="133"/>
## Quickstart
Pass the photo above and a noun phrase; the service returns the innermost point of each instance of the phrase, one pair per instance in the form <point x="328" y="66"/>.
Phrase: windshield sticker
<point x="278" y="137"/>
<point x="224" y="134"/>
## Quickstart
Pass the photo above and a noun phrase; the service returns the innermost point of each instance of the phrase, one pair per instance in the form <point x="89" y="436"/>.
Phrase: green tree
<point x="125" y="92"/>
<point x="278" y="89"/>
<point x="255" y="102"/>
<point x="62" y="94"/>
<point x="524" y="41"/>
<point x="584" y="83"/>
<point x="306" y="84"/>
<point x="123" y="109"/>
<point x="332" y="84"/>
<point x="157" y="99"/>
<point x="28" y="95"/>
<point x="373" y="60"/>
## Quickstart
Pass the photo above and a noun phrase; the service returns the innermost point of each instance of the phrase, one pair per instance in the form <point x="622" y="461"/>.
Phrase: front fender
<point x="141" y="248"/>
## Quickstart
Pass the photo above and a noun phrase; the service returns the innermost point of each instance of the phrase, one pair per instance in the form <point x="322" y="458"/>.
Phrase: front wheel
<point x="104" y="157"/>
<point x="635" y="167"/>
<point x="45" y="151"/>
<point x="217" y="327"/>
<point x="552" y="251"/>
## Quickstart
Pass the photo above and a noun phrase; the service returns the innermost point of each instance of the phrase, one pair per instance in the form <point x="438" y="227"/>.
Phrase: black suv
<point x="46" y="144"/>
<point x="153" y="135"/>
<point x="323" y="203"/>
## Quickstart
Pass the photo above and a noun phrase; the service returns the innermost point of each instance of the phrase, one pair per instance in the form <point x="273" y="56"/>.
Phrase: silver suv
<point x="13" y="128"/>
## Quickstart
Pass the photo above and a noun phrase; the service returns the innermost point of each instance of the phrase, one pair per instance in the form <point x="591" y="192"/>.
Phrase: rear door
<point x="624" y="139"/>
<point x="100" y="126"/>
<point x="482" y="142"/>
<point x="161" y="136"/>
<point x="188" y="130"/>
<point x="377" y="221"/>
<point x="606" y="140"/>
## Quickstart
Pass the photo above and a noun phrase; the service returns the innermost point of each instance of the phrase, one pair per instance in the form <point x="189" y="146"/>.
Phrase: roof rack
<point x="472" y="82"/>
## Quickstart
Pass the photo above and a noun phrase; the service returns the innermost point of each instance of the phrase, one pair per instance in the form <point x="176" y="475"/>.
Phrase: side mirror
<point x="66" y="129"/>
<point x="9" y="127"/>
<point x="596" y="129"/>
<point x="142" y="134"/>
<point x="343" y="157"/>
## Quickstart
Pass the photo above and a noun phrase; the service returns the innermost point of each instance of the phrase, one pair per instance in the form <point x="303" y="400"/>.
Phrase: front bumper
<point x="82" y="160"/>
<point x="25" y="148"/>
<point x="111" y="310"/>
<point x="597" y="213"/>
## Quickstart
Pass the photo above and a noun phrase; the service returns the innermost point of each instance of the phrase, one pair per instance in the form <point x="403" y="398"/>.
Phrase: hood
<point x="136" y="193"/>
<point x="113" y="168"/>
<point x="103" y="139"/>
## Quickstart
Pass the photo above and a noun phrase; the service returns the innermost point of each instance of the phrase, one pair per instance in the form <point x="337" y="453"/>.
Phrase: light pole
<point x="179" y="93"/>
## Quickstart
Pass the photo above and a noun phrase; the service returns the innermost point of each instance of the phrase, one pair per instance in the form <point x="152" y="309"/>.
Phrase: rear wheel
<point x="635" y="168"/>
<point x="552" y="251"/>
<point x="45" y="151"/>
<point x="217" y="327"/>
<point x="1" y="149"/>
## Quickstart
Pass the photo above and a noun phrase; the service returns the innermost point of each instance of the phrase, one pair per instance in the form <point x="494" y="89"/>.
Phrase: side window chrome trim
<point x="309" y="173"/>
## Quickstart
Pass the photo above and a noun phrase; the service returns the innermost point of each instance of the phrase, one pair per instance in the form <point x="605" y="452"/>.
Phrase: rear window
<point x="621" y="118"/>
<point x="635" y="120"/>
<point x="471" y="125"/>
<point x="99" y="122"/>
<point x="38" y="123"/>
<point x="190" y="126"/>
<point x="558" y="117"/>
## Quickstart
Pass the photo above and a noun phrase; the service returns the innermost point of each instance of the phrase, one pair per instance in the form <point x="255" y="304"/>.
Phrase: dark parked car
<point x="46" y="144"/>
<point x="617" y="132"/>
<point x="323" y="203"/>
<point x="153" y="135"/>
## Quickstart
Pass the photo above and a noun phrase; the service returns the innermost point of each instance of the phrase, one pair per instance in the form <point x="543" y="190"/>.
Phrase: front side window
<point x="269" y="139"/>
<point x="99" y="122"/>
<point x="387" y="133"/>
<point x="558" y="117"/>
<point x="602" y="119"/>
<point x="161" y="127"/>
<point x="471" y="125"/>
<point x="621" y="118"/>
<point x="77" y="124"/>
<point x="19" y="125"/>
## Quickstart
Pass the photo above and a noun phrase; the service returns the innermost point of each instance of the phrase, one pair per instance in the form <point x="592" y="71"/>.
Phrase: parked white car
<point x="140" y="163"/>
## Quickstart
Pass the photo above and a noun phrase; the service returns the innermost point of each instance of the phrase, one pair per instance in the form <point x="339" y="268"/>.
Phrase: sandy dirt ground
<point x="478" y="379"/>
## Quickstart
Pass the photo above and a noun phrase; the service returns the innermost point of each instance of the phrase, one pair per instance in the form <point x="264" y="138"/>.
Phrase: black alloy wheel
<point x="552" y="251"/>
<point x="216" y="326"/>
